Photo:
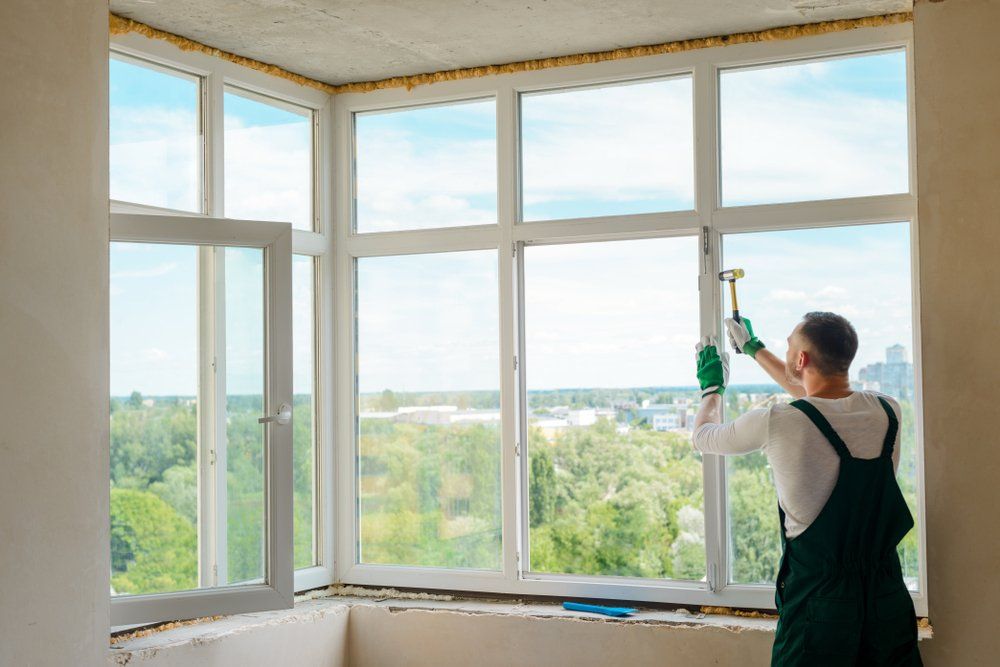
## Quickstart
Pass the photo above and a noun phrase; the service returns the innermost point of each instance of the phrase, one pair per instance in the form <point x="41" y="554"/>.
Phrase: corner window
<point x="216" y="487"/>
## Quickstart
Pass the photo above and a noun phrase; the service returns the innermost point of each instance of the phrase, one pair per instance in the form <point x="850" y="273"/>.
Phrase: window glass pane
<point x="154" y="428"/>
<point x="155" y="156"/>
<point x="245" y="494"/>
<point x="432" y="166"/>
<point x="814" y="130"/>
<point x="612" y="150"/>
<point x="429" y="410"/>
<point x="615" y="487"/>
<point x="303" y="424"/>
<point x="869" y="283"/>
<point x="269" y="160"/>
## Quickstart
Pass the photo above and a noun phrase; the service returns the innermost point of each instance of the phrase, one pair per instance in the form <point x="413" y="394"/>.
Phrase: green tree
<point x="179" y="489"/>
<point x="388" y="402"/>
<point x="153" y="548"/>
<point x="542" y="491"/>
<point x="135" y="400"/>
<point x="753" y="518"/>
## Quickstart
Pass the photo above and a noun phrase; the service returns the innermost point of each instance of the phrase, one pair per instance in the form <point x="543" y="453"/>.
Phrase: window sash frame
<point x="216" y="75"/>
<point x="276" y="592"/>
<point x="709" y="220"/>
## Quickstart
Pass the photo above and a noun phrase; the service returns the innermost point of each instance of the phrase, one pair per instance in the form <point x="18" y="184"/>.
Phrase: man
<point x="833" y="452"/>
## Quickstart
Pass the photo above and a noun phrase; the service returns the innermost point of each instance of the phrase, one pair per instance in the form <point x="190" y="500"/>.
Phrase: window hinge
<point x="712" y="579"/>
<point x="704" y="240"/>
<point x="515" y="362"/>
<point x="215" y="575"/>
<point x="211" y="457"/>
<point x="513" y="249"/>
<point x="517" y="449"/>
<point x="517" y="559"/>
<point x="215" y="364"/>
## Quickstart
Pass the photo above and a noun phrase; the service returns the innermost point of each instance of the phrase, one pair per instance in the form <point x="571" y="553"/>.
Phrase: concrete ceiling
<point x="339" y="41"/>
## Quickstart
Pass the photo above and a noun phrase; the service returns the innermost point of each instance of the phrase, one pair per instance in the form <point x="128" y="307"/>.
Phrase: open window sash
<point x="275" y="590"/>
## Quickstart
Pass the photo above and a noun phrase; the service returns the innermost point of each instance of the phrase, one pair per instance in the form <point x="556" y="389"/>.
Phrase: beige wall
<point x="336" y="633"/>
<point x="958" y="161"/>
<point x="378" y="636"/>
<point x="315" y="638"/>
<point x="53" y="332"/>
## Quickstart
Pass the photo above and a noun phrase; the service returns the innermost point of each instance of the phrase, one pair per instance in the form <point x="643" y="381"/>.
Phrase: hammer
<point x="732" y="275"/>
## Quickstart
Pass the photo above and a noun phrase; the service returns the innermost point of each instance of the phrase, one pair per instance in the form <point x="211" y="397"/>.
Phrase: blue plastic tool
<point x="598" y="609"/>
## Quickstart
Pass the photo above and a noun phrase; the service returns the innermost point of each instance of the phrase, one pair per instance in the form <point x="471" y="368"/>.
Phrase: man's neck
<point x="827" y="386"/>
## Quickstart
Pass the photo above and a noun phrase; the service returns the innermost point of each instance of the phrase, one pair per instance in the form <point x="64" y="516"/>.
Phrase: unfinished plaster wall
<point x="958" y="162"/>
<point x="54" y="562"/>
<point x="415" y="637"/>
<point x="312" y="635"/>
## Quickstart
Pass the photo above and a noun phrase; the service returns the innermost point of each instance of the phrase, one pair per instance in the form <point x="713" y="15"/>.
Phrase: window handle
<point x="281" y="417"/>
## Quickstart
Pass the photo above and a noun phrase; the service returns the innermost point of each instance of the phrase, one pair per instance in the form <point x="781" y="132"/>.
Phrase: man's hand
<point x="713" y="370"/>
<point x="742" y="337"/>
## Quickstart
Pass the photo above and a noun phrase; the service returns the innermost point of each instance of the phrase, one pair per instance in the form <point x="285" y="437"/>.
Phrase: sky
<point x="614" y="314"/>
<point x="268" y="158"/>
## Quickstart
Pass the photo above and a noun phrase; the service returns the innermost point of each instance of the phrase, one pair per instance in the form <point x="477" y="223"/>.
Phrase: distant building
<point x="894" y="376"/>
<point x="585" y="417"/>
<point x="662" y="416"/>
<point x="666" y="421"/>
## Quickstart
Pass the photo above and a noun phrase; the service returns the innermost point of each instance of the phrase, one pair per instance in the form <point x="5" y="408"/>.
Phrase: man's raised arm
<point x="741" y="336"/>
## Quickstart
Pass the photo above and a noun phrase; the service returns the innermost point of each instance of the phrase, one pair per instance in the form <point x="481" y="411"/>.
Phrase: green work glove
<point x="713" y="370"/>
<point x="742" y="337"/>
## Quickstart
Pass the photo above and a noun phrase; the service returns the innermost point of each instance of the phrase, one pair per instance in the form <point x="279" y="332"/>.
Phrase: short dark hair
<point x="833" y="340"/>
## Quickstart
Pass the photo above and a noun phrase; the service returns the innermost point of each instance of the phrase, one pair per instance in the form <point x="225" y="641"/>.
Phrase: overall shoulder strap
<point x="890" y="433"/>
<point x="817" y="418"/>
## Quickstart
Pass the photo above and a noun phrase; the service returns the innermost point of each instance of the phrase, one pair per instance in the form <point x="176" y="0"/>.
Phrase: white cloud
<point x="154" y="157"/>
<point x="788" y="134"/>
<point x="269" y="172"/>
<point x="620" y="143"/>
<point x="404" y="183"/>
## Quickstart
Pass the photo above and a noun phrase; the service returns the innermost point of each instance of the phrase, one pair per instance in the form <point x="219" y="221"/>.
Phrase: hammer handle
<point x="736" y="311"/>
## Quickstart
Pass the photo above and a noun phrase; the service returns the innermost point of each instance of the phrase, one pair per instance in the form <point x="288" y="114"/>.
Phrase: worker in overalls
<point x="833" y="452"/>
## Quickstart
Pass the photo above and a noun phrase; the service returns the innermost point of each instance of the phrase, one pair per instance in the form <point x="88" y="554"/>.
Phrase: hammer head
<point x="731" y="274"/>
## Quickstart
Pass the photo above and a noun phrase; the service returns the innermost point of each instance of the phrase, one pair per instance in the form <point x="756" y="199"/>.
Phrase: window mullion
<point x="207" y="419"/>
<point x="213" y="337"/>
<point x="221" y="411"/>
<point x="706" y="159"/>
<point x="213" y="119"/>
<point x="507" y="213"/>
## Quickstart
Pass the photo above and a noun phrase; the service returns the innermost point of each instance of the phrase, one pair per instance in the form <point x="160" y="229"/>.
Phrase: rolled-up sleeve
<point x="746" y="434"/>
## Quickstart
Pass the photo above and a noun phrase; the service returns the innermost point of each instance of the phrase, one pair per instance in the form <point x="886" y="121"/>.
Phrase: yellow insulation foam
<point x="120" y="25"/>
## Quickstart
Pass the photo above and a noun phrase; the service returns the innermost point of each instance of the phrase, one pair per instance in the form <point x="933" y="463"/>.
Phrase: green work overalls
<point x="840" y="593"/>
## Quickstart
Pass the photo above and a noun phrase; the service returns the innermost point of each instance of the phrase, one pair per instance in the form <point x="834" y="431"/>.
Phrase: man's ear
<point x="802" y="361"/>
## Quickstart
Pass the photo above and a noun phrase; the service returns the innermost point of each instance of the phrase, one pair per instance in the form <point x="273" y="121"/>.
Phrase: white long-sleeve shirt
<point x="804" y="463"/>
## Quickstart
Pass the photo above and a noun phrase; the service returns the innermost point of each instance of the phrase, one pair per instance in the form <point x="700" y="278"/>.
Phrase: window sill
<point x="145" y="646"/>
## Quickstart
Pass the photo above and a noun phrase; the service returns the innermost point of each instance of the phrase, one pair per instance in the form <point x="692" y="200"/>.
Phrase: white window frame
<point x="709" y="220"/>
<point x="215" y="75"/>
<point x="275" y="591"/>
